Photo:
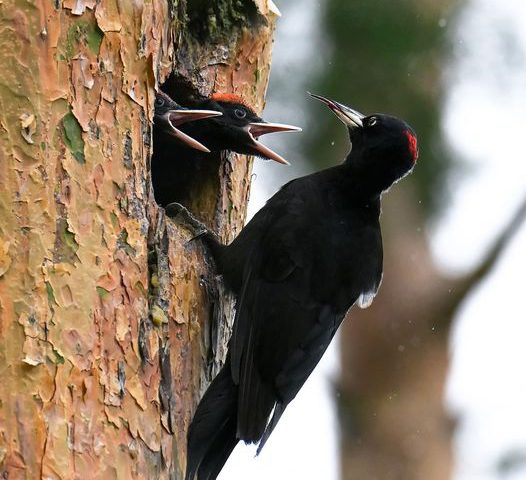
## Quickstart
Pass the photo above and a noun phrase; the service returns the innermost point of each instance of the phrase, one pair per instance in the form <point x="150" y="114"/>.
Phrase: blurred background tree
<point x="390" y="57"/>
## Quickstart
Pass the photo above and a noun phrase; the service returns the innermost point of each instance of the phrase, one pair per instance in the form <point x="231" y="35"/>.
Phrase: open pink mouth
<point x="256" y="129"/>
<point x="178" y="117"/>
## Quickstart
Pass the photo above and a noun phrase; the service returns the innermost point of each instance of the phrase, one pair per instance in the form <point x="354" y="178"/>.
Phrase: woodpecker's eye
<point x="372" y="121"/>
<point x="240" y="113"/>
<point x="159" y="101"/>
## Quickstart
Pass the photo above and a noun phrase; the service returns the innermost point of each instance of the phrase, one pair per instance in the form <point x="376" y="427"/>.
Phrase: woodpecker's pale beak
<point x="256" y="129"/>
<point x="347" y="115"/>
<point x="175" y="118"/>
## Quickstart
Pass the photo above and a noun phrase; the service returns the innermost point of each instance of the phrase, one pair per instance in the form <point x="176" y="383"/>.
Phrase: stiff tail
<point x="212" y="433"/>
<point x="278" y="411"/>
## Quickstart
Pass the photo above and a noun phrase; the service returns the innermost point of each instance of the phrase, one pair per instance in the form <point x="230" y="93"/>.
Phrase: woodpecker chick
<point x="168" y="116"/>
<point x="238" y="129"/>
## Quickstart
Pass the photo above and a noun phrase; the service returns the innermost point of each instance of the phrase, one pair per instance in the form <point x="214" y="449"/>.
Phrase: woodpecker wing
<point x="305" y="270"/>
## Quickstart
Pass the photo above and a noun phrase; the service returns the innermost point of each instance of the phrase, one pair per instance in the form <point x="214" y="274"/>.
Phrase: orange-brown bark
<point x="104" y="305"/>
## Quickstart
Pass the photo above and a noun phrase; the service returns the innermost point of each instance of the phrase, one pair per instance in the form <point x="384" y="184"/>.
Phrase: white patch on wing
<point x="365" y="299"/>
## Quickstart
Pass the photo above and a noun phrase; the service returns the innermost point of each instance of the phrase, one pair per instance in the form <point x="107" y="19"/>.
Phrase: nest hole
<point x="181" y="174"/>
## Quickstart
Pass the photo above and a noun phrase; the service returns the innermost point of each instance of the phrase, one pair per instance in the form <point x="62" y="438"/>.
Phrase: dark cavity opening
<point x="179" y="173"/>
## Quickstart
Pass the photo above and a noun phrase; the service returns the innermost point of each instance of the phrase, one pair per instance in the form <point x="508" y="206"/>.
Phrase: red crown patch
<point x="229" y="97"/>
<point x="413" y="147"/>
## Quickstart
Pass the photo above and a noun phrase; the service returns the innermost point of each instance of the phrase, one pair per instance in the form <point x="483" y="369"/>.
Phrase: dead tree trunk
<point x="104" y="307"/>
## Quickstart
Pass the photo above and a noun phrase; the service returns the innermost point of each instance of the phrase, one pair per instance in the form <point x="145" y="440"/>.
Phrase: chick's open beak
<point x="175" y="118"/>
<point x="345" y="114"/>
<point x="256" y="129"/>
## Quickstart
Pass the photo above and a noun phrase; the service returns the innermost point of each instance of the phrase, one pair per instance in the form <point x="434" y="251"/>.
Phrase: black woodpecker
<point x="310" y="254"/>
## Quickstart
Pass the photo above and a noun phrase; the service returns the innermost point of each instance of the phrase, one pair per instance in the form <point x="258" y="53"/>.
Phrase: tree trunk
<point x="105" y="308"/>
<point x="395" y="354"/>
<point x="395" y="360"/>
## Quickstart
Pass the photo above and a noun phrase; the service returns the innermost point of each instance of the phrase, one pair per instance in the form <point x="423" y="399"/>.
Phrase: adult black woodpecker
<point x="238" y="129"/>
<point x="312" y="252"/>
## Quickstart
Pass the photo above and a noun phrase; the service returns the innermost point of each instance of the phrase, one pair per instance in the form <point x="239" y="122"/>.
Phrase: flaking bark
<point x="105" y="308"/>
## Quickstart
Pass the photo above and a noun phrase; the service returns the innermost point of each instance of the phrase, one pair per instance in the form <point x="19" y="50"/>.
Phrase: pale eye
<point x="372" y="121"/>
<point x="239" y="113"/>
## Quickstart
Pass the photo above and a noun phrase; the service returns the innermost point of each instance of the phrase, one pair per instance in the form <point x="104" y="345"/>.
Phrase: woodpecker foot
<point x="181" y="215"/>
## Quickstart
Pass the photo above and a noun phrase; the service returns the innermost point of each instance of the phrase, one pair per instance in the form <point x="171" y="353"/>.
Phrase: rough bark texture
<point x="105" y="307"/>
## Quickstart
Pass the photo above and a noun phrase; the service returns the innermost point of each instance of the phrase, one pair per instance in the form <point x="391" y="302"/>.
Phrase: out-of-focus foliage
<point x="388" y="56"/>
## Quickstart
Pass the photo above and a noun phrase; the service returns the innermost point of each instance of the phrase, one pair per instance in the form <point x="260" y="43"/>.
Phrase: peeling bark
<point x="105" y="308"/>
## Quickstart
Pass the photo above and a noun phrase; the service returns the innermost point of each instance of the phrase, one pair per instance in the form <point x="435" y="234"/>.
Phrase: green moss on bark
<point x="216" y="21"/>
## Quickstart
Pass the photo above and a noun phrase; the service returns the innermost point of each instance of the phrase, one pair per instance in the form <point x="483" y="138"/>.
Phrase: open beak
<point x="175" y="118"/>
<point x="256" y="129"/>
<point x="347" y="115"/>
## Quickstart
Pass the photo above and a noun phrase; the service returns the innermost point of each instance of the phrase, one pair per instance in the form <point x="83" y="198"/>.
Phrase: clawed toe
<point x="182" y="215"/>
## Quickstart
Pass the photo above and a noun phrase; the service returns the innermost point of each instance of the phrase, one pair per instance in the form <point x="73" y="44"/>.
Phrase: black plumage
<point x="238" y="129"/>
<point x="169" y="116"/>
<point x="306" y="257"/>
<point x="177" y="171"/>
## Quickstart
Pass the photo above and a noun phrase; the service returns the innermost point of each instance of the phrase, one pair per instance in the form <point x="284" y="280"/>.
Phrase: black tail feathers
<point x="279" y="408"/>
<point x="212" y="433"/>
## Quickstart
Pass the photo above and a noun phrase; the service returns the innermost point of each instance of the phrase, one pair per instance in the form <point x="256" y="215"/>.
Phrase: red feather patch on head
<point x="413" y="148"/>
<point x="229" y="97"/>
